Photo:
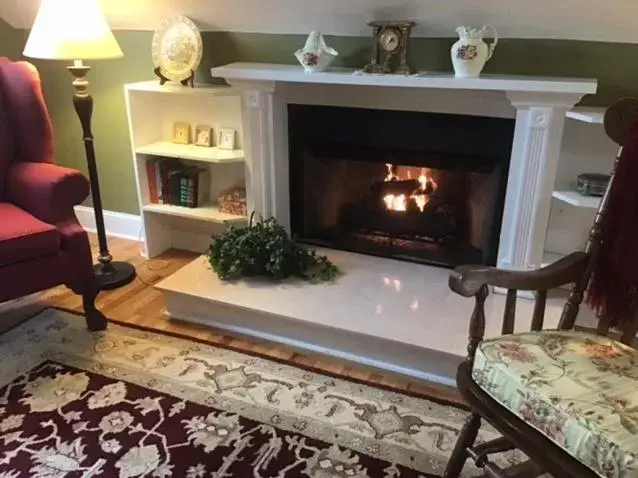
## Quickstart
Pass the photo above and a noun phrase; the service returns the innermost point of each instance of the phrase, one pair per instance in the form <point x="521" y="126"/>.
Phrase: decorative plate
<point x="177" y="48"/>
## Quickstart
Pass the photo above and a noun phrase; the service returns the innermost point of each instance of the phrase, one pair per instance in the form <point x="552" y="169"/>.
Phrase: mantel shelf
<point x="345" y="76"/>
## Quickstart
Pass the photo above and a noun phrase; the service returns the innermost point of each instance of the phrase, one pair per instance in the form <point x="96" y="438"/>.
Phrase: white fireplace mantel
<point x="538" y="105"/>
<point x="347" y="76"/>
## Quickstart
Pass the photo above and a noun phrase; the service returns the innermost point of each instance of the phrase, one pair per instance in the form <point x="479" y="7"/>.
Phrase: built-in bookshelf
<point x="572" y="212"/>
<point x="178" y="205"/>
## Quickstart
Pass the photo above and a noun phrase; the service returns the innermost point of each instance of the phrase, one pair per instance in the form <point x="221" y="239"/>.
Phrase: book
<point x="151" y="176"/>
<point x="195" y="187"/>
<point x="158" y="183"/>
<point x="174" y="178"/>
<point x="166" y="168"/>
<point x="183" y="190"/>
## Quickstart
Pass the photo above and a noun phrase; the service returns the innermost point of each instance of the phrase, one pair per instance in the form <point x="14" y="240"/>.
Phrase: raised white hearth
<point x="384" y="313"/>
<point x="391" y="314"/>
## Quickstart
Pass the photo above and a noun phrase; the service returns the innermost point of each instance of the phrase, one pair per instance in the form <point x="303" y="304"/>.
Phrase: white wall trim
<point x="117" y="224"/>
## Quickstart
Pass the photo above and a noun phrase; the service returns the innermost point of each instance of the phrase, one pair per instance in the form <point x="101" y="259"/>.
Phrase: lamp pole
<point x="110" y="274"/>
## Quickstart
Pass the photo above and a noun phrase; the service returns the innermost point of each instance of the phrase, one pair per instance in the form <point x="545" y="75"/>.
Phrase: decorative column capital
<point x="525" y="99"/>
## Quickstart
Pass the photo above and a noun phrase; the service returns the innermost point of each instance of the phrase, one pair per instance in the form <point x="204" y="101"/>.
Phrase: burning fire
<point x="421" y="196"/>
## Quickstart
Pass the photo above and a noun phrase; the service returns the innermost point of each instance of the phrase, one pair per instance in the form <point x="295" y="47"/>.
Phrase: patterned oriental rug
<point x="131" y="403"/>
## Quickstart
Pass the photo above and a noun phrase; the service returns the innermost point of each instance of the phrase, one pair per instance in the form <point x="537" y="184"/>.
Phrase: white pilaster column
<point x="264" y="124"/>
<point x="540" y="119"/>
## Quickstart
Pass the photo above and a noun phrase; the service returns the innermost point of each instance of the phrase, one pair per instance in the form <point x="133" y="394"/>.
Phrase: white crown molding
<point x="117" y="224"/>
<point x="549" y="19"/>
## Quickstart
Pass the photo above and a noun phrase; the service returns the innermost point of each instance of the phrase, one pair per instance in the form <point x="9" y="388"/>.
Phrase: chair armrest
<point x="468" y="280"/>
<point x="46" y="190"/>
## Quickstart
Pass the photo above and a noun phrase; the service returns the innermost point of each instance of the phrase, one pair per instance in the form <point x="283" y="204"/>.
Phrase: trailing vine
<point x="264" y="248"/>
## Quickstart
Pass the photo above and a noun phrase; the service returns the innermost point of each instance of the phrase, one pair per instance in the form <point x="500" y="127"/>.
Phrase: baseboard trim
<point x="117" y="224"/>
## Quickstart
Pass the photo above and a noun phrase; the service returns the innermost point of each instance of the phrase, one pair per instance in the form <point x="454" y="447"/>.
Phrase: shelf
<point x="192" y="152"/>
<point x="176" y="88"/>
<point x="576" y="199"/>
<point x="587" y="115"/>
<point x="207" y="212"/>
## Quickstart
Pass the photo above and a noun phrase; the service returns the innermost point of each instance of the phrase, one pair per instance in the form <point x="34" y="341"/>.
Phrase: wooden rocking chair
<point x="567" y="399"/>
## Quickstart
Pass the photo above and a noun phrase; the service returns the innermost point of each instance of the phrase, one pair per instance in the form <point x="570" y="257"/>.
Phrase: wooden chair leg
<point x="95" y="320"/>
<point x="459" y="454"/>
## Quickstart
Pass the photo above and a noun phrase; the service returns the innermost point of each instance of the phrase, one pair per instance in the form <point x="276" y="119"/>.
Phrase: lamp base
<point x="113" y="275"/>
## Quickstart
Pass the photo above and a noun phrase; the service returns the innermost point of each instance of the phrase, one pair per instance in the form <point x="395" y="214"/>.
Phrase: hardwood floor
<point x="141" y="304"/>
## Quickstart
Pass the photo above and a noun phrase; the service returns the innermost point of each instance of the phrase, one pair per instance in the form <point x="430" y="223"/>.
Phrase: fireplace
<point x="420" y="187"/>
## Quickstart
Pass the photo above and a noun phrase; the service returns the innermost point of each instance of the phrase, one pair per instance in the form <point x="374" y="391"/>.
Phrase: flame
<point x="421" y="196"/>
<point x="391" y="176"/>
<point x="395" y="203"/>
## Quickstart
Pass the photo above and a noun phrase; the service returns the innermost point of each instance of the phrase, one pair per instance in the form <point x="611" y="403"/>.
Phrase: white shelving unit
<point x="576" y="199"/>
<point x="572" y="198"/>
<point x="591" y="115"/>
<point x="152" y="111"/>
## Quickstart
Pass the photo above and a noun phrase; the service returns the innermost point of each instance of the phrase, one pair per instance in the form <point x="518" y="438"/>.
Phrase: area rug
<point x="131" y="403"/>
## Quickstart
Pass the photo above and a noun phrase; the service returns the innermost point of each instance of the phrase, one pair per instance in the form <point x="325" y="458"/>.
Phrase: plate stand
<point x="190" y="81"/>
<point x="161" y="77"/>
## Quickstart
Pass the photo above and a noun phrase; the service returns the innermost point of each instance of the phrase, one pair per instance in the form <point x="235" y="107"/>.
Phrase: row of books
<point x="172" y="182"/>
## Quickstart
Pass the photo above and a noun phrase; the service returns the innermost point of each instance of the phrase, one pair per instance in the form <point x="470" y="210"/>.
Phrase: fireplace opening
<point x="420" y="187"/>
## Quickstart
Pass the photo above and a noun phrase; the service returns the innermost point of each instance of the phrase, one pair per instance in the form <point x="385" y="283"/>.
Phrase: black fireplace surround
<point x="420" y="187"/>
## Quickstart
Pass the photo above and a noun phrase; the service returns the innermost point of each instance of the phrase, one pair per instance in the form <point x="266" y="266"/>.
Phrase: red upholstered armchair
<point x="42" y="244"/>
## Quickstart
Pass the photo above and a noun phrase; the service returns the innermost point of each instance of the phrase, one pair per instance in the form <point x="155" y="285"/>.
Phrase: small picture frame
<point x="181" y="133"/>
<point x="204" y="136"/>
<point x="227" y="138"/>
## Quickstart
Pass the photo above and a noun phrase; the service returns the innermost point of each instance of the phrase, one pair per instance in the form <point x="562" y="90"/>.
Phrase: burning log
<point x="396" y="188"/>
<point x="437" y="222"/>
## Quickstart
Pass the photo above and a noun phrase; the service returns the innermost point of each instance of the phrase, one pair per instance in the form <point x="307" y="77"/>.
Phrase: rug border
<point x="308" y="368"/>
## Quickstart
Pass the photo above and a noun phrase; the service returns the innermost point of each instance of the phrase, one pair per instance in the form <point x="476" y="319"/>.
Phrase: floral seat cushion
<point x="578" y="389"/>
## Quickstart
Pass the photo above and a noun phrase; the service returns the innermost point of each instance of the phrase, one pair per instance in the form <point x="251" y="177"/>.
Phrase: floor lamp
<point x="80" y="32"/>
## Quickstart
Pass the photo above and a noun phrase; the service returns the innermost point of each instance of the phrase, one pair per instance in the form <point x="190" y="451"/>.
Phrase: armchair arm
<point x="46" y="190"/>
<point x="468" y="280"/>
<point x="473" y="281"/>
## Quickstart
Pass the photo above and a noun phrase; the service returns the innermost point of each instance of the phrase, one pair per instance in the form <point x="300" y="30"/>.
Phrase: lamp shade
<point x="71" y="30"/>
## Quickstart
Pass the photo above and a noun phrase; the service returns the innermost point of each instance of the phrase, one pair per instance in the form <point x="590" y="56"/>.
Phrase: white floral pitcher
<point x="471" y="52"/>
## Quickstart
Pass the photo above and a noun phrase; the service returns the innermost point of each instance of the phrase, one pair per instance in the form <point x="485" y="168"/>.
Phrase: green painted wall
<point x="9" y="40"/>
<point x="609" y="62"/>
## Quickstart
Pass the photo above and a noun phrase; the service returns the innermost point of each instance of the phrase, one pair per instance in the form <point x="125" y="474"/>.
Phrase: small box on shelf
<point x="233" y="201"/>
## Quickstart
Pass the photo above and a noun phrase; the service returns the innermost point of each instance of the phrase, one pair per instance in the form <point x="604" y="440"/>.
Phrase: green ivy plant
<point x="264" y="248"/>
